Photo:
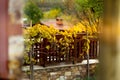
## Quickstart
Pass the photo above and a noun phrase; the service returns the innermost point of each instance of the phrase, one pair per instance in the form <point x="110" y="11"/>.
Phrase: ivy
<point x="38" y="33"/>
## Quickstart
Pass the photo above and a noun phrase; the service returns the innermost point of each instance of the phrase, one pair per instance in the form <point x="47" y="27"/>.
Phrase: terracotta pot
<point x="59" y="21"/>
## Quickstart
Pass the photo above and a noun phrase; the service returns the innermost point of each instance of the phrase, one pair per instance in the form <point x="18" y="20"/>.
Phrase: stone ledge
<point x="84" y="62"/>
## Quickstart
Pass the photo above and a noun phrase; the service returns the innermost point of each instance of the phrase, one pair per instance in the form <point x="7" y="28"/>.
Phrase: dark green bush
<point x="33" y="12"/>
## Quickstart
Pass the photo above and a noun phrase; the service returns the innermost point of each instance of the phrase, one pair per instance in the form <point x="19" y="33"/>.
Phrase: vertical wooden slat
<point x="95" y="48"/>
<point x="98" y="47"/>
<point x="92" y="49"/>
<point x="80" y="47"/>
<point x="75" y="50"/>
<point x="93" y="52"/>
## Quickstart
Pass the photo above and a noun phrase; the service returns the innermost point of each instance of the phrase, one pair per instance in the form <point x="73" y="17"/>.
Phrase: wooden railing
<point x="53" y="56"/>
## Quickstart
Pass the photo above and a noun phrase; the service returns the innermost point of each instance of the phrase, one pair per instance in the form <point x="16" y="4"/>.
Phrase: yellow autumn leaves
<point x="42" y="29"/>
<point x="37" y="33"/>
<point x="78" y="28"/>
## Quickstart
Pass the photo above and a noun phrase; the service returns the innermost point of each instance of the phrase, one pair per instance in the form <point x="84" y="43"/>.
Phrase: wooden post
<point x="3" y="39"/>
<point x="109" y="68"/>
<point x="31" y="62"/>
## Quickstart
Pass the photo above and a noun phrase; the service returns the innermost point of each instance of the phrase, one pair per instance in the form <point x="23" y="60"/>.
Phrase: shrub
<point x="33" y="12"/>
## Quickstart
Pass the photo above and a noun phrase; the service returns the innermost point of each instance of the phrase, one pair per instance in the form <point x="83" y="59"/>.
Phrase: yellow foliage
<point x="52" y="13"/>
<point x="80" y="27"/>
<point x="38" y="32"/>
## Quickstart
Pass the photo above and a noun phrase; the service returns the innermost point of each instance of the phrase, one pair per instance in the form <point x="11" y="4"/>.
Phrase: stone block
<point x="68" y="73"/>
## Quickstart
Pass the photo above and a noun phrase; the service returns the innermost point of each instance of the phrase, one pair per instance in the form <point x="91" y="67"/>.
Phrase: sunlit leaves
<point x="96" y="6"/>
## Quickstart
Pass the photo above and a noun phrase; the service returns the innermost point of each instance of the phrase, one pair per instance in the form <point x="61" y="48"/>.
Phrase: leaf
<point x="47" y="47"/>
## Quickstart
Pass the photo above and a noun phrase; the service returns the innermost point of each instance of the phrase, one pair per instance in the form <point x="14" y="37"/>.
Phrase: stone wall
<point x="64" y="72"/>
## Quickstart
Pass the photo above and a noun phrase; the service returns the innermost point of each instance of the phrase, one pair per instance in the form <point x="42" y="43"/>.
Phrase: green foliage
<point x="33" y="12"/>
<point x="90" y="10"/>
<point x="53" y="13"/>
<point x="27" y="58"/>
<point x="85" y="10"/>
<point x="95" y="7"/>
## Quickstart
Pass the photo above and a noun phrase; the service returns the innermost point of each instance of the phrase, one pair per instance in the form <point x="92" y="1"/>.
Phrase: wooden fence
<point x="53" y="56"/>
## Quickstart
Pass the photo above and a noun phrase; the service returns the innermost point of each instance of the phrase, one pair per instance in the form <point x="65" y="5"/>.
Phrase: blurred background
<point x="25" y="23"/>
